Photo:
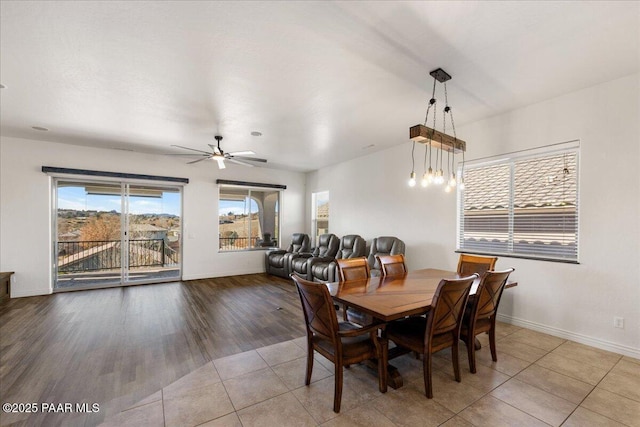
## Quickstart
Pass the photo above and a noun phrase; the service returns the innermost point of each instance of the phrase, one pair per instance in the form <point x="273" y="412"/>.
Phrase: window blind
<point x="521" y="206"/>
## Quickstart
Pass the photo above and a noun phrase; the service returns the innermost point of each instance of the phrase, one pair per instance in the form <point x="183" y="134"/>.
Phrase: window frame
<point x="249" y="188"/>
<point x="324" y="194"/>
<point x="511" y="159"/>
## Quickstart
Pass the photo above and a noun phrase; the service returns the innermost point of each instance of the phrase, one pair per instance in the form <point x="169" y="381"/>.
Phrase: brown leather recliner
<point x="275" y="262"/>
<point x="327" y="247"/>
<point x="324" y="269"/>
<point x="385" y="245"/>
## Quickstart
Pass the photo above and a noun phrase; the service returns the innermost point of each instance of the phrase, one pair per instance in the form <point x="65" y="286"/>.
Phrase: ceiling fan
<point x="238" y="157"/>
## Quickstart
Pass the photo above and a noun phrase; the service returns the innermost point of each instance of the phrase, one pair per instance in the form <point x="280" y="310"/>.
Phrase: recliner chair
<point x="275" y="262"/>
<point x="328" y="245"/>
<point x="324" y="269"/>
<point x="385" y="245"/>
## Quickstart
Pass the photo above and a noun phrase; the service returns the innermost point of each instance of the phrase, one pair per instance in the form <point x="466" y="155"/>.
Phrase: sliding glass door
<point x="153" y="233"/>
<point x="112" y="233"/>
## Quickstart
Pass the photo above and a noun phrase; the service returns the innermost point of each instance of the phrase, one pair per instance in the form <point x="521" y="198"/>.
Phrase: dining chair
<point x="469" y="264"/>
<point x="392" y="265"/>
<point x="354" y="269"/>
<point x="440" y="329"/>
<point x="343" y="343"/>
<point x="480" y="314"/>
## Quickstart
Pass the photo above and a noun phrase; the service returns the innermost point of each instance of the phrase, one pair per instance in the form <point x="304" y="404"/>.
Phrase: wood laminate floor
<point x="116" y="346"/>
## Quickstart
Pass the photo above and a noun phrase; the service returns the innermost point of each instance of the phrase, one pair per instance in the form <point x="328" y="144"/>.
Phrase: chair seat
<point x="277" y="260"/>
<point x="409" y="333"/>
<point x="299" y="265"/>
<point x="482" y="325"/>
<point x="320" y="271"/>
<point x="359" y="346"/>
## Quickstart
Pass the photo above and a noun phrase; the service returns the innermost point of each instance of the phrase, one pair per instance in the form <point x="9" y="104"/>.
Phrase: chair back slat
<point x="319" y="312"/>
<point x="489" y="293"/>
<point x="448" y="305"/>
<point x="469" y="264"/>
<point x="353" y="269"/>
<point x="392" y="265"/>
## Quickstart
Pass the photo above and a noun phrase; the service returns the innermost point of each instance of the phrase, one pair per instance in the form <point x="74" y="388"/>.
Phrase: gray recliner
<point x="325" y="269"/>
<point x="276" y="262"/>
<point x="327" y="247"/>
<point x="385" y="245"/>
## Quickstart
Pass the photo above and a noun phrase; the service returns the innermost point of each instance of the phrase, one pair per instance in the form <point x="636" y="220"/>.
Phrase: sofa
<point x="327" y="248"/>
<point x="325" y="269"/>
<point x="276" y="262"/>
<point x="385" y="245"/>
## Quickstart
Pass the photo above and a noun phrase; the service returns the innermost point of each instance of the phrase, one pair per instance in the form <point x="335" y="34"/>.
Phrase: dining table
<point x="395" y="297"/>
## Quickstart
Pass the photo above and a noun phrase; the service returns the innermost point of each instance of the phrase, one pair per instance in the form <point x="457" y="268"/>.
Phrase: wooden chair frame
<point x="469" y="264"/>
<point x="481" y="313"/>
<point x="353" y="269"/>
<point x="440" y="329"/>
<point x="392" y="265"/>
<point x="337" y="341"/>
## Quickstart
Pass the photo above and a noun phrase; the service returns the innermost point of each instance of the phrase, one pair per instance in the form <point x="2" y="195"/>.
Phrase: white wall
<point x="369" y="196"/>
<point x="25" y="225"/>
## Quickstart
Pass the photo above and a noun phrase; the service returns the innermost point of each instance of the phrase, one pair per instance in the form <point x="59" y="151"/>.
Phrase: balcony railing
<point x="238" y="243"/>
<point x="77" y="256"/>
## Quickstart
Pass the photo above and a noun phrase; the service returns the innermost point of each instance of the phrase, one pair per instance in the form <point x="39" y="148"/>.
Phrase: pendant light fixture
<point x="438" y="141"/>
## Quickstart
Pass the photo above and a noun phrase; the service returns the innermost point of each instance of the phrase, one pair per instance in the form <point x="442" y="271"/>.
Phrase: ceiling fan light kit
<point x="217" y="154"/>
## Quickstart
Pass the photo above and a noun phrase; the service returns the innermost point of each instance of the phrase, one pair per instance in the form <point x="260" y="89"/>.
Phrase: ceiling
<point x="323" y="82"/>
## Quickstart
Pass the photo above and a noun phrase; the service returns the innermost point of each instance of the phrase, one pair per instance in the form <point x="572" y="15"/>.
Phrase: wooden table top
<point x="392" y="298"/>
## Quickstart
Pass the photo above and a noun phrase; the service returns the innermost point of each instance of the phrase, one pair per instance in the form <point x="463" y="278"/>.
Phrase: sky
<point x="235" y="206"/>
<point x="76" y="198"/>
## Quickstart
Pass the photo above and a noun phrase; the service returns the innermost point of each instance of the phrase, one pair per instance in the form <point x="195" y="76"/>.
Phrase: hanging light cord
<point x="426" y="149"/>
<point x="413" y="159"/>
<point x="431" y="102"/>
<point x="448" y="110"/>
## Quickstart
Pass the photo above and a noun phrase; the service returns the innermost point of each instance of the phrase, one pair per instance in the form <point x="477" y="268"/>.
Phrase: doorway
<point x="110" y="233"/>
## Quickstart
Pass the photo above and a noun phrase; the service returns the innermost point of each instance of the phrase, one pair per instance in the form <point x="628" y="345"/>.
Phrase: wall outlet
<point x="618" y="322"/>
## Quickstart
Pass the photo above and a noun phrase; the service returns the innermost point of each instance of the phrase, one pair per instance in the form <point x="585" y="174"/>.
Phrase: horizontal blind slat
<point x="544" y="202"/>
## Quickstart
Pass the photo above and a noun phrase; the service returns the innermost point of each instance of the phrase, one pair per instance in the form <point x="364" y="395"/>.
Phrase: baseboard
<point x="16" y="293"/>
<point x="220" y="274"/>
<point x="572" y="336"/>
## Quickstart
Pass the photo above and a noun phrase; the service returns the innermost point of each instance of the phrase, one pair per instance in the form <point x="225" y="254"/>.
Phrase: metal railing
<point x="78" y="256"/>
<point x="238" y="243"/>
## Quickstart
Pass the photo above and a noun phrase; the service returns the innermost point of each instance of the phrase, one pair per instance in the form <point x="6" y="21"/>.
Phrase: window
<point x="248" y="218"/>
<point x="522" y="206"/>
<point x="319" y="214"/>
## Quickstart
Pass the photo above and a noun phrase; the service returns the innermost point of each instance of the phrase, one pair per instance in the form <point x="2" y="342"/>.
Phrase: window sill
<point x="519" y="256"/>
<point x="270" y="248"/>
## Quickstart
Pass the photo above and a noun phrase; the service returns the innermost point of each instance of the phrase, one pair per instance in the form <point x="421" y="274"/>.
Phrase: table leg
<point x="394" y="379"/>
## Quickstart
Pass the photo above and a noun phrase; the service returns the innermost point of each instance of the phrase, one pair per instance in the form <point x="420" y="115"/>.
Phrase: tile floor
<point x="538" y="380"/>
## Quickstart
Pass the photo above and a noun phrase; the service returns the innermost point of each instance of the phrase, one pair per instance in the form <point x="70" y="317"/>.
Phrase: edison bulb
<point x="412" y="179"/>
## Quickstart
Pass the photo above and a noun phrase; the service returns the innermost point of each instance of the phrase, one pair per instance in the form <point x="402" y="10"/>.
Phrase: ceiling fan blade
<point x="240" y="162"/>
<point x="252" y="159"/>
<point x="221" y="164"/>
<point x="242" y="153"/>
<point x="199" y="160"/>
<point x="188" y="154"/>
<point x="214" y="148"/>
<point x="192" y="149"/>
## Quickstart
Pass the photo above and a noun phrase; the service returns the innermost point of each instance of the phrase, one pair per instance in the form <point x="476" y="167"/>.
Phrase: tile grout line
<point x="513" y="377"/>
<point x="164" y="417"/>
<point x="594" y="388"/>
<point x="485" y="393"/>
